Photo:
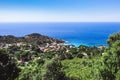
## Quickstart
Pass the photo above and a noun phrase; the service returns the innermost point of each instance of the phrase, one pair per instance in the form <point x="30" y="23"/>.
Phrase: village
<point x="21" y="47"/>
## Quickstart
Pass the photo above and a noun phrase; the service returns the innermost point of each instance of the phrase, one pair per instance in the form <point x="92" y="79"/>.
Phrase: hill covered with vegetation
<point x="33" y="38"/>
<point x="58" y="62"/>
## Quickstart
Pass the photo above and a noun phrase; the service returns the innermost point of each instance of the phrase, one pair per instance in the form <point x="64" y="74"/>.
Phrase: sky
<point x="59" y="10"/>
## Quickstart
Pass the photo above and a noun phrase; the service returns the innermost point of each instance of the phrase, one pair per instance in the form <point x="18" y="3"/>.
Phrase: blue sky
<point x="59" y="10"/>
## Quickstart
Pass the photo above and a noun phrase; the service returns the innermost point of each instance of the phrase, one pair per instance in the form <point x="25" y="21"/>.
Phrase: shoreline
<point x="79" y="44"/>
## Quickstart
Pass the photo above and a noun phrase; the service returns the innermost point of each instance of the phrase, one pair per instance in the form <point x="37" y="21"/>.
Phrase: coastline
<point x="77" y="44"/>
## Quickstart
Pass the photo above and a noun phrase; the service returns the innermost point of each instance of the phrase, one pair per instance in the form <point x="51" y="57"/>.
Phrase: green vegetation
<point x="30" y="61"/>
<point x="113" y="38"/>
<point x="34" y="38"/>
<point x="8" y="68"/>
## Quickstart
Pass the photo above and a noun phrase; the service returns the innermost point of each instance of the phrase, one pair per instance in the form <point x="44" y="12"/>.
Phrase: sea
<point x="74" y="33"/>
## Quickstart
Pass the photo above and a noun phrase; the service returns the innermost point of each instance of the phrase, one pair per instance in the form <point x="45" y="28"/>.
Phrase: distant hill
<point x="33" y="38"/>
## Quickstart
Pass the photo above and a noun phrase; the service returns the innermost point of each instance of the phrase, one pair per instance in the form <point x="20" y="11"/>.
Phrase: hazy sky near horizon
<point x="59" y="10"/>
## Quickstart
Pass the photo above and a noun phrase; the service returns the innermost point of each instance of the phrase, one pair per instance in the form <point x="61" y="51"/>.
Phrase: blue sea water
<point x="76" y="33"/>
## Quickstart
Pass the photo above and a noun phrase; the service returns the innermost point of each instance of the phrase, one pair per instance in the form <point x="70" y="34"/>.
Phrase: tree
<point x="54" y="70"/>
<point x="111" y="62"/>
<point x="8" y="69"/>
<point x="113" y="38"/>
<point x="33" y="71"/>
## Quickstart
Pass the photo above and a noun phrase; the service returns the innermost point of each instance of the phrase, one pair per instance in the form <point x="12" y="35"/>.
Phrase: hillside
<point x="58" y="62"/>
<point x="33" y="38"/>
